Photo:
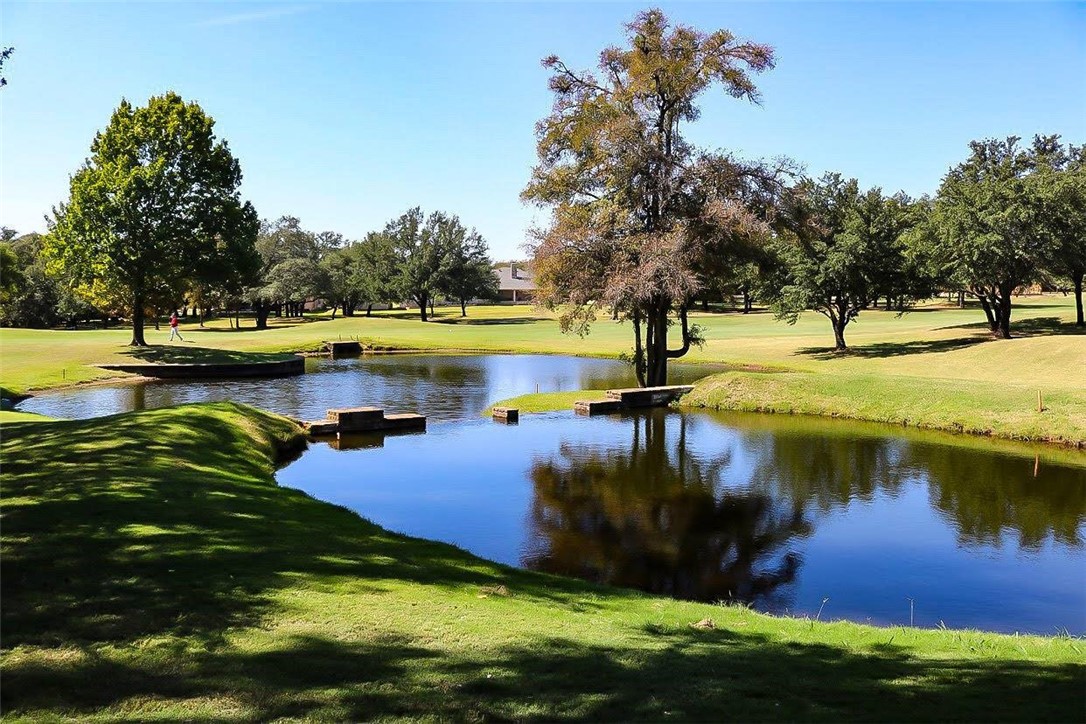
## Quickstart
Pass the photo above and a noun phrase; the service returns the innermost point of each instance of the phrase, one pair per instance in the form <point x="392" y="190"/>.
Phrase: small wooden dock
<point x="631" y="398"/>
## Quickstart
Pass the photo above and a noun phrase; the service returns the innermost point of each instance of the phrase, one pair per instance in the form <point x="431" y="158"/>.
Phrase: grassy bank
<point x="153" y="569"/>
<point x="547" y="401"/>
<point x="1007" y="411"/>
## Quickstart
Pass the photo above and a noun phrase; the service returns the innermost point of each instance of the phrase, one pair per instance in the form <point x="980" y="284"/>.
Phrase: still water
<point x="442" y="387"/>
<point x="778" y="512"/>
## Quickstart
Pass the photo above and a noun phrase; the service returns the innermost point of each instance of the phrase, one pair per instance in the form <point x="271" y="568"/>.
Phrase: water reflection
<point x="781" y="512"/>
<point x="443" y="387"/>
<point x="652" y="516"/>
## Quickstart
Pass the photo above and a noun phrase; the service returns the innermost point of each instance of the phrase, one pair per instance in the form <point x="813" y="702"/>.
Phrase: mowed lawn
<point x="153" y="569"/>
<point x="934" y="341"/>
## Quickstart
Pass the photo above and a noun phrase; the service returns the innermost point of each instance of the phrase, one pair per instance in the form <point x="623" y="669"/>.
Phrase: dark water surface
<point x="779" y="512"/>
<point x="443" y="387"/>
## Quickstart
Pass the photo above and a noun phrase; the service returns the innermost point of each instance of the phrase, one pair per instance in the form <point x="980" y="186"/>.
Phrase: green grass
<point x="7" y="416"/>
<point x="547" y="401"/>
<point x="935" y="367"/>
<point x="153" y="570"/>
<point x="1007" y="411"/>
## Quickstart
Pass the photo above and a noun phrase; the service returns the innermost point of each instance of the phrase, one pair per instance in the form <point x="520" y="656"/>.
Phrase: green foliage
<point x="288" y="270"/>
<point x="440" y="258"/>
<point x="467" y="266"/>
<point x="153" y="209"/>
<point x="37" y="298"/>
<point x="637" y="218"/>
<point x="1059" y="187"/>
<point x="840" y="249"/>
<point x="990" y="220"/>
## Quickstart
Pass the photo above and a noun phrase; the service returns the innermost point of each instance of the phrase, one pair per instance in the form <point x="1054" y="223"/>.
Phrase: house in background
<point x="515" y="283"/>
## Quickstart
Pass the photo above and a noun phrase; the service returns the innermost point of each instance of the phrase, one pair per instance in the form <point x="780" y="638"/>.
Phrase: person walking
<point x="173" y="328"/>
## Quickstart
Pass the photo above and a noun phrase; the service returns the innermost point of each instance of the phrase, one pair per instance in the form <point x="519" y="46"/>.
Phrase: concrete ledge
<point x="344" y="349"/>
<point x="510" y="415"/>
<point x="648" y="396"/>
<point x="597" y="407"/>
<point x="202" y="370"/>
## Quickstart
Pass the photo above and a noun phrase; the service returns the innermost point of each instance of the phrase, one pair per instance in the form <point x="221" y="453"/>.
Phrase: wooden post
<point x="1040" y="402"/>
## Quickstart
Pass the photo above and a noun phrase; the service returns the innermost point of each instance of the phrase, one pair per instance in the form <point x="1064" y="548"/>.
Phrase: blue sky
<point x="346" y="114"/>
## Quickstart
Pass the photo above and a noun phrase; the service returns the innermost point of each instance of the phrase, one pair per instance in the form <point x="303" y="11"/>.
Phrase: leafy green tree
<point x="991" y="225"/>
<point x="156" y="195"/>
<point x="467" y="265"/>
<point x="11" y="276"/>
<point x="1059" y="187"/>
<point x="422" y="262"/>
<point x="376" y="272"/>
<point x="284" y="243"/>
<point x="339" y="271"/>
<point x="838" y="248"/>
<point x="633" y="220"/>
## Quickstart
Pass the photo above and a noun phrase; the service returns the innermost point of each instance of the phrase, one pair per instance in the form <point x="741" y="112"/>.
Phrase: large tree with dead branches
<point x="639" y="215"/>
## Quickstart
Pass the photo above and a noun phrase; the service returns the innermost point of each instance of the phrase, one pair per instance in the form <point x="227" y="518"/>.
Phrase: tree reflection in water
<point x="658" y="518"/>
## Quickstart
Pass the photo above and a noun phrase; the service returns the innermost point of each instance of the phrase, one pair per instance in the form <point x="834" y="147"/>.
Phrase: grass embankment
<point x="1007" y="411"/>
<point x="547" y="401"/>
<point x="153" y="569"/>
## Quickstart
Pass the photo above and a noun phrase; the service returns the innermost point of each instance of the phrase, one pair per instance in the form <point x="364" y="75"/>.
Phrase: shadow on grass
<point x="695" y="675"/>
<point x="1030" y="327"/>
<point x="167" y="521"/>
<point x="893" y="349"/>
<point x="186" y="354"/>
<point x="162" y="532"/>
<point x="453" y="318"/>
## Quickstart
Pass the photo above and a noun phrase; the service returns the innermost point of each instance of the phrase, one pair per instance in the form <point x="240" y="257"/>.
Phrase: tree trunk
<point x="639" y="351"/>
<point x="423" y="300"/>
<point x="657" y="348"/>
<point x="262" y="311"/>
<point x="961" y="299"/>
<point x="369" y="310"/>
<point x="1077" y="279"/>
<point x="993" y="323"/>
<point x="463" y="307"/>
<point x="431" y="307"/>
<point x="746" y="301"/>
<point x="334" y="311"/>
<point x="137" y="321"/>
<point x="1004" y="316"/>
<point x="705" y="303"/>
<point x="839" y="336"/>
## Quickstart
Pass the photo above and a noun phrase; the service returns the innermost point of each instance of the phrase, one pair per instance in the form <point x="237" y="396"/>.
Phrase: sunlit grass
<point x="168" y="577"/>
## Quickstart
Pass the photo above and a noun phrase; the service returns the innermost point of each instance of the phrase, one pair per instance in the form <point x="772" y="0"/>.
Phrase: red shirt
<point x="173" y="320"/>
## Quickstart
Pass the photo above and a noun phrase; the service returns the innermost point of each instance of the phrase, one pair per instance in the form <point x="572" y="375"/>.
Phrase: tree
<point x="838" y="249"/>
<point x="284" y="242"/>
<point x="376" y="272"/>
<point x="157" y="195"/>
<point x="5" y="53"/>
<point x="467" y="265"/>
<point x="990" y="223"/>
<point x="422" y="263"/>
<point x="633" y="222"/>
<point x="1059" y="187"/>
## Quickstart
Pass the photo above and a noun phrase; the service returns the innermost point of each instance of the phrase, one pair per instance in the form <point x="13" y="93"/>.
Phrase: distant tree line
<point x="154" y="222"/>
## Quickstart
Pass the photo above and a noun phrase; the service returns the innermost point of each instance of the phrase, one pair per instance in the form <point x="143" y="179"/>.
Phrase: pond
<point x="442" y="387"/>
<point x="786" y="514"/>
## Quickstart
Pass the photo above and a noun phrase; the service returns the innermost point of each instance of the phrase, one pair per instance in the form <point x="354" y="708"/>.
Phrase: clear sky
<point x="346" y="114"/>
